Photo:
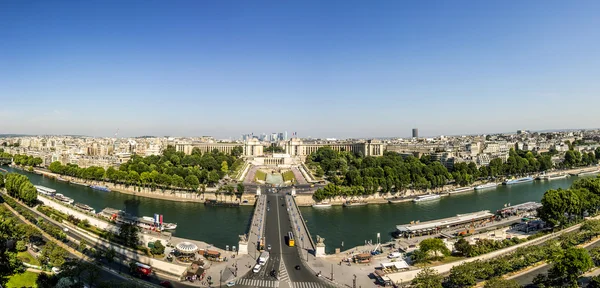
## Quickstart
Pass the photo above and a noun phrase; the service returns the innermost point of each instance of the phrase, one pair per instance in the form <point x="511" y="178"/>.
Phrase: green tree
<point x="427" y="278"/>
<point x="434" y="246"/>
<point x="192" y="182"/>
<point x="498" y="282"/>
<point x="21" y="246"/>
<point x="82" y="245"/>
<point x="224" y="167"/>
<point x="461" y="276"/>
<point x="128" y="233"/>
<point x="463" y="247"/>
<point x="570" y="264"/>
<point x="158" y="248"/>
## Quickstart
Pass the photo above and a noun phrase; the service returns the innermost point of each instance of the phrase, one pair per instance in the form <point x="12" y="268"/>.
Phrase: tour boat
<point x="100" y="188"/>
<point x="322" y="205"/>
<point x="144" y="222"/>
<point x="518" y="181"/>
<point x="85" y="208"/>
<point x="45" y="190"/>
<point x="486" y="186"/>
<point x="62" y="179"/>
<point x="461" y="190"/>
<point x="556" y="177"/>
<point x="63" y="198"/>
<point x="77" y="183"/>
<point x="352" y="203"/>
<point x="396" y="200"/>
<point x="428" y="197"/>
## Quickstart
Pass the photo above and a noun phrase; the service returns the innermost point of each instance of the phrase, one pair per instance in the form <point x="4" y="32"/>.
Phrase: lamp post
<point x="354" y="281"/>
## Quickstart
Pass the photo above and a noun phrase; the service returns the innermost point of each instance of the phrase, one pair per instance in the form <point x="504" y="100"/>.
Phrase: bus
<point x="290" y="239"/>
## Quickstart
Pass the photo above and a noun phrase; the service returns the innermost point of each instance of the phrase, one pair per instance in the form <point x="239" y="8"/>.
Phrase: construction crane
<point x="115" y="142"/>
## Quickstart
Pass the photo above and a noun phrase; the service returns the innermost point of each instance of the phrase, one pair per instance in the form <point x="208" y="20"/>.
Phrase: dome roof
<point x="186" y="247"/>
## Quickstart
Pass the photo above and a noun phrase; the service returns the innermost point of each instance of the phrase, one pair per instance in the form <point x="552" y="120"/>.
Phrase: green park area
<point x="289" y="176"/>
<point x="260" y="175"/>
<point x="25" y="257"/>
<point x="25" y="279"/>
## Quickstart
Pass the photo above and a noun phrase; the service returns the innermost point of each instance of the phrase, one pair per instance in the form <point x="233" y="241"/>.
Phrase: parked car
<point x="230" y="284"/>
<point x="394" y="255"/>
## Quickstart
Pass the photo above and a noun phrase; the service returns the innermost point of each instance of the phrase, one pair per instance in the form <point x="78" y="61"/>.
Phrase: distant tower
<point x="415" y="133"/>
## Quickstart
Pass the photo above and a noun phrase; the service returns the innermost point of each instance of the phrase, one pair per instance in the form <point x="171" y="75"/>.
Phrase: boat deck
<point x="434" y="225"/>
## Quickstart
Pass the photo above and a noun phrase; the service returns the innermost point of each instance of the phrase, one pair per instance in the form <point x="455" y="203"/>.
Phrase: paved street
<point x="283" y="259"/>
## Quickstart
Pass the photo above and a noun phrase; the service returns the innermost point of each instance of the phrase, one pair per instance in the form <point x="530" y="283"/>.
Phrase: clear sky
<point x="321" y="68"/>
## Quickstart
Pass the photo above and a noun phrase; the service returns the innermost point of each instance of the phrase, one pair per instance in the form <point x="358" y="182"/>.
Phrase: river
<point x="221" y="226"/>
<point x="354" y="225"/>
<point x="218" y="226"/>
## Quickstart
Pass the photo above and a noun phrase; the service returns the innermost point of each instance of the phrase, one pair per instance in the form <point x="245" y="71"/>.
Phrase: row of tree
<point x="171" y="169"/>
<point x="25" y="160"/>
<point x="563" y="206"/>
<point x="569" y="262"/>
<point x="393" y="172"/>
<point x="20" y="187"/>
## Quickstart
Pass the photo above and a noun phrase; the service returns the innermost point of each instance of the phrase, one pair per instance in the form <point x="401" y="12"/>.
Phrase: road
<point x="283" y="259"/>
<point x="527" y="278"/>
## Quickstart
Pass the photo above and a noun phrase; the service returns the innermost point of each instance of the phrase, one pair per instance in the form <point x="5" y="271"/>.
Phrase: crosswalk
<point x="309" y="285"/>
<point x="258" y="283"/>
<point x="283" y="274"/>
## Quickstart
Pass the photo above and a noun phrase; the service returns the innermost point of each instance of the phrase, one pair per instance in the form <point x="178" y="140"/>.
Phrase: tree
<point x="1" y="180"/>
<point x="128" y="233"/>
<point x="463" y="247"/>
<point x="192" y="182"/>
<point x="110" y="255"/>
<point x="435" y="246"/>
<point x="594" y="282"/>
<point x="158" y="248"/>
<point x="224" y="167"/>
<point x="21" y="246"/>
<point x="461" y="276"/>
<point x="82" y="245"/>
<point x="498" y="282"/>
<point x="427" y="278"/>
<point x="570" y="264"/>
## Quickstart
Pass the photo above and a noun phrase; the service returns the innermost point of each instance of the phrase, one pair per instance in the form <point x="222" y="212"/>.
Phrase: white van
<point x="394" y="255"/>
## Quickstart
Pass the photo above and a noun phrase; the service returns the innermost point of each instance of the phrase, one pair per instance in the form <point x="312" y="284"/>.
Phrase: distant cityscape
<point x="479" y="149"/>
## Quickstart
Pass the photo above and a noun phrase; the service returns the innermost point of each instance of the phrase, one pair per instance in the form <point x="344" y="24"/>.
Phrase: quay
<point x="437" y="226"/>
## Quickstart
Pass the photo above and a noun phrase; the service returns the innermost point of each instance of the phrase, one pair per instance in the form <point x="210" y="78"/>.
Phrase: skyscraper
<point x="415" y="133"/>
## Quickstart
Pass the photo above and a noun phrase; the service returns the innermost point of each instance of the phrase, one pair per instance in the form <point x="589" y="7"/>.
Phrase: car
<point x="166" y="284"/>
<point x="297" y="267"/>
<point x="394" y="255"/>
<point x="256" y="268"/>
<point x="66" y="229"/>
<point x="230" y="284"/>
<point x="273" y="272"/>
<point x="269" y="247"/>
<point x="56" y="270"/>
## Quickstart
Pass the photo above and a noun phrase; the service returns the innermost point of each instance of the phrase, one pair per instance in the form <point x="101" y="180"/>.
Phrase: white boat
<point x="322" y="205"/>
<point x="77" y="183"/>
<point x="144" y="222"/>
<point x="461" y="190"/>
<point x="486" y="186"/>
<point x="556" y="177"/>
<point x="45" y="190"/>
<point x="85" y="208"/>
<point x="428" y="197"/>
<point x="518" y="181"/>
<point x="63" y="198"/>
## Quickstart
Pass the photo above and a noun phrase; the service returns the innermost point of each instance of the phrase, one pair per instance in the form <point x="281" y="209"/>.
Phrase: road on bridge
<point x="284" y="260"/>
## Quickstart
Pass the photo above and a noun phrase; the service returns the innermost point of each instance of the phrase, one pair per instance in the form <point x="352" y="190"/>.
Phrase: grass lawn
<point x="260" y="175"/>
<point x="289" y="176"/>
<point x="26" y="279"/>
<point x="28" y="258"/>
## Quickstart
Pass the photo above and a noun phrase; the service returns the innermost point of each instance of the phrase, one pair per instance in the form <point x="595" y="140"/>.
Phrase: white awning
<point x="186" y="247"/>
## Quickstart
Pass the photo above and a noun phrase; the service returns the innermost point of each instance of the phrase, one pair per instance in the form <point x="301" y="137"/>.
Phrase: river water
<point x="221" y="226"/>
<point x="354" y="225"/>
<point x="214" y="225"/>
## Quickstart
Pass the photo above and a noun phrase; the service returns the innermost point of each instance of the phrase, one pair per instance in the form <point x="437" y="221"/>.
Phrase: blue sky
<point x="321" y="68"/>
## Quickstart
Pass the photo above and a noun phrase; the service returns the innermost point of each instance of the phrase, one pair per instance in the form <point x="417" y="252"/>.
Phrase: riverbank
<point x="170" y="195"/>
<point x="305" y="200"/>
